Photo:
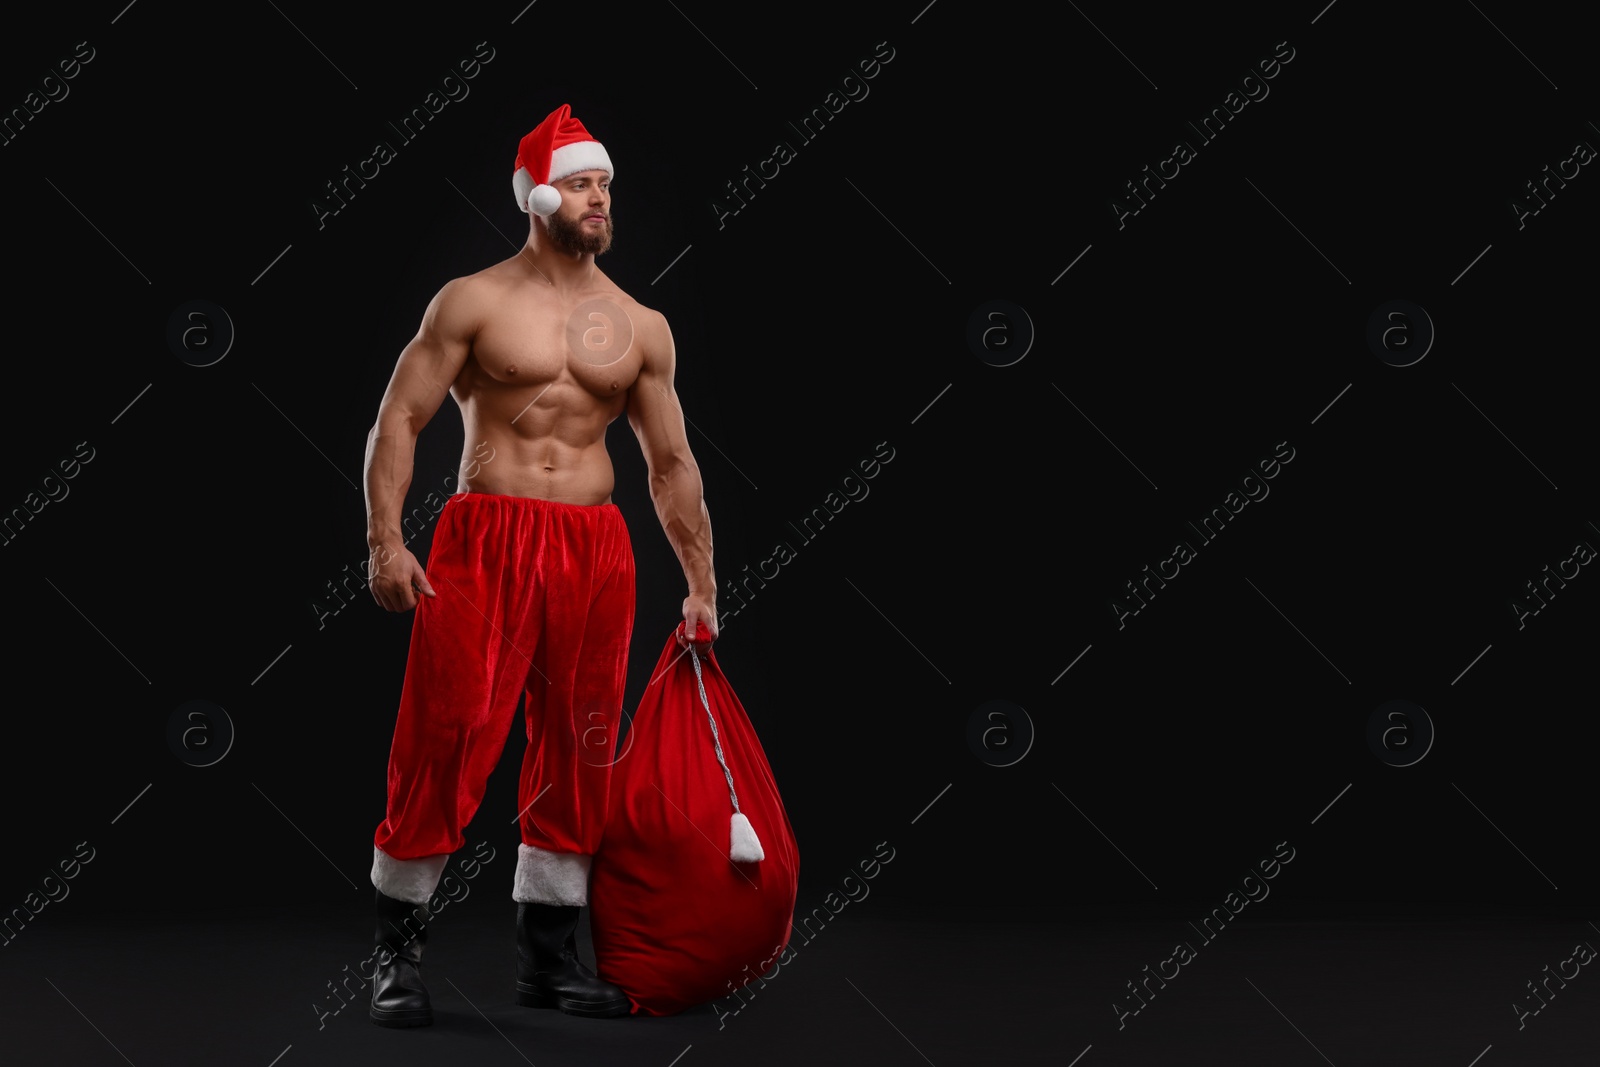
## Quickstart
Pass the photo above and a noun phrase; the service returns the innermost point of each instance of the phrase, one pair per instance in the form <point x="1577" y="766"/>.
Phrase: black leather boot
<point x="549" y="973"/>
<point x="398" y="996"/>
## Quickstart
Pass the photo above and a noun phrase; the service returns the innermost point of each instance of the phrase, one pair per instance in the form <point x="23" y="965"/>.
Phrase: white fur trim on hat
<point x="569" y="159"/>
<point x="521" y="186"/>
<point x="412" y="881"/>
<point x="545" y="877"/>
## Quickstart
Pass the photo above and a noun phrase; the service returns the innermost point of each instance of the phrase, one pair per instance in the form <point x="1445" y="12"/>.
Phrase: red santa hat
<point x="556" y="148"/>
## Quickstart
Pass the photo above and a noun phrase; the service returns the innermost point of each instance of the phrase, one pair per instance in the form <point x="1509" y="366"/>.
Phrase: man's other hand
<point x="696" y="611"/>
<point x="395" y="578"/>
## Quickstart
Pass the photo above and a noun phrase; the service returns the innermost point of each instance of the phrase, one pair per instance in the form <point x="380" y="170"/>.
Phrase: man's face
<point x="583" y="222"/>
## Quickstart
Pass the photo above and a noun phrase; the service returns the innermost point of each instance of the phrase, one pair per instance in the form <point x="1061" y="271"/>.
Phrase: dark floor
<point x="882" y="988"/>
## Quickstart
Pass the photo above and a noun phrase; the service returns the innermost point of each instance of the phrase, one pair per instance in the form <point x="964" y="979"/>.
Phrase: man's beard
<point x="570" y="236"/>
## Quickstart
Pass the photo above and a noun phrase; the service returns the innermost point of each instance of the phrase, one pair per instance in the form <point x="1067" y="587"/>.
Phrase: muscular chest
<point x="592" y="343"/>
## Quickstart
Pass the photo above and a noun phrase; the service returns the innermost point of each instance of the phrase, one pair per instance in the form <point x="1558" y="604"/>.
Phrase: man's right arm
<point x="422" y="378"/>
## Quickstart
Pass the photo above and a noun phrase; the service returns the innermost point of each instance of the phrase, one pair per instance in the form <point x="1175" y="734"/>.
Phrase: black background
<point x="831" y="314"/>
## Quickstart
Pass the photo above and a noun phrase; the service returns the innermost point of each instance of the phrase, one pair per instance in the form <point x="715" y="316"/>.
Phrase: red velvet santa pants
<point x="533" y="597"/>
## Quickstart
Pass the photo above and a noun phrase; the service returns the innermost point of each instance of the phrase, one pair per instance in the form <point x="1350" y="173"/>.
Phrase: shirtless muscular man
<point x="529" y="587"/>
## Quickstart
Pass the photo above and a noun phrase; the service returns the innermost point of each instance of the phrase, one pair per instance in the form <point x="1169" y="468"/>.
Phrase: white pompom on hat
<point x="556" y="148"/>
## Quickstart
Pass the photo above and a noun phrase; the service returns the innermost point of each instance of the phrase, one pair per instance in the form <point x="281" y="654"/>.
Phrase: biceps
<point x="422" y="378"/>
<point x="657" y="420"/>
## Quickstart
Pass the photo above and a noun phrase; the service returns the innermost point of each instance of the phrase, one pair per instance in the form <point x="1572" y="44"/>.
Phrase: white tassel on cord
<point x="744" y="846"/>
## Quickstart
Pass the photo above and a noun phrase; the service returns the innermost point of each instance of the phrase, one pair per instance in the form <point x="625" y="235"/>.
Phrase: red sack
<point x="677" y="920"/>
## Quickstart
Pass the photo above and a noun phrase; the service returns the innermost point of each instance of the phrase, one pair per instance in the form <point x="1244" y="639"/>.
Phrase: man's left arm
<point x="675" y="485"/>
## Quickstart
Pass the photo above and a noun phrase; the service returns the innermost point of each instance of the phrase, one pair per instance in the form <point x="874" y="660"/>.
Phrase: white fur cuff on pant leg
<point x="412" y="881"/>
<point x="545" y="877"/>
